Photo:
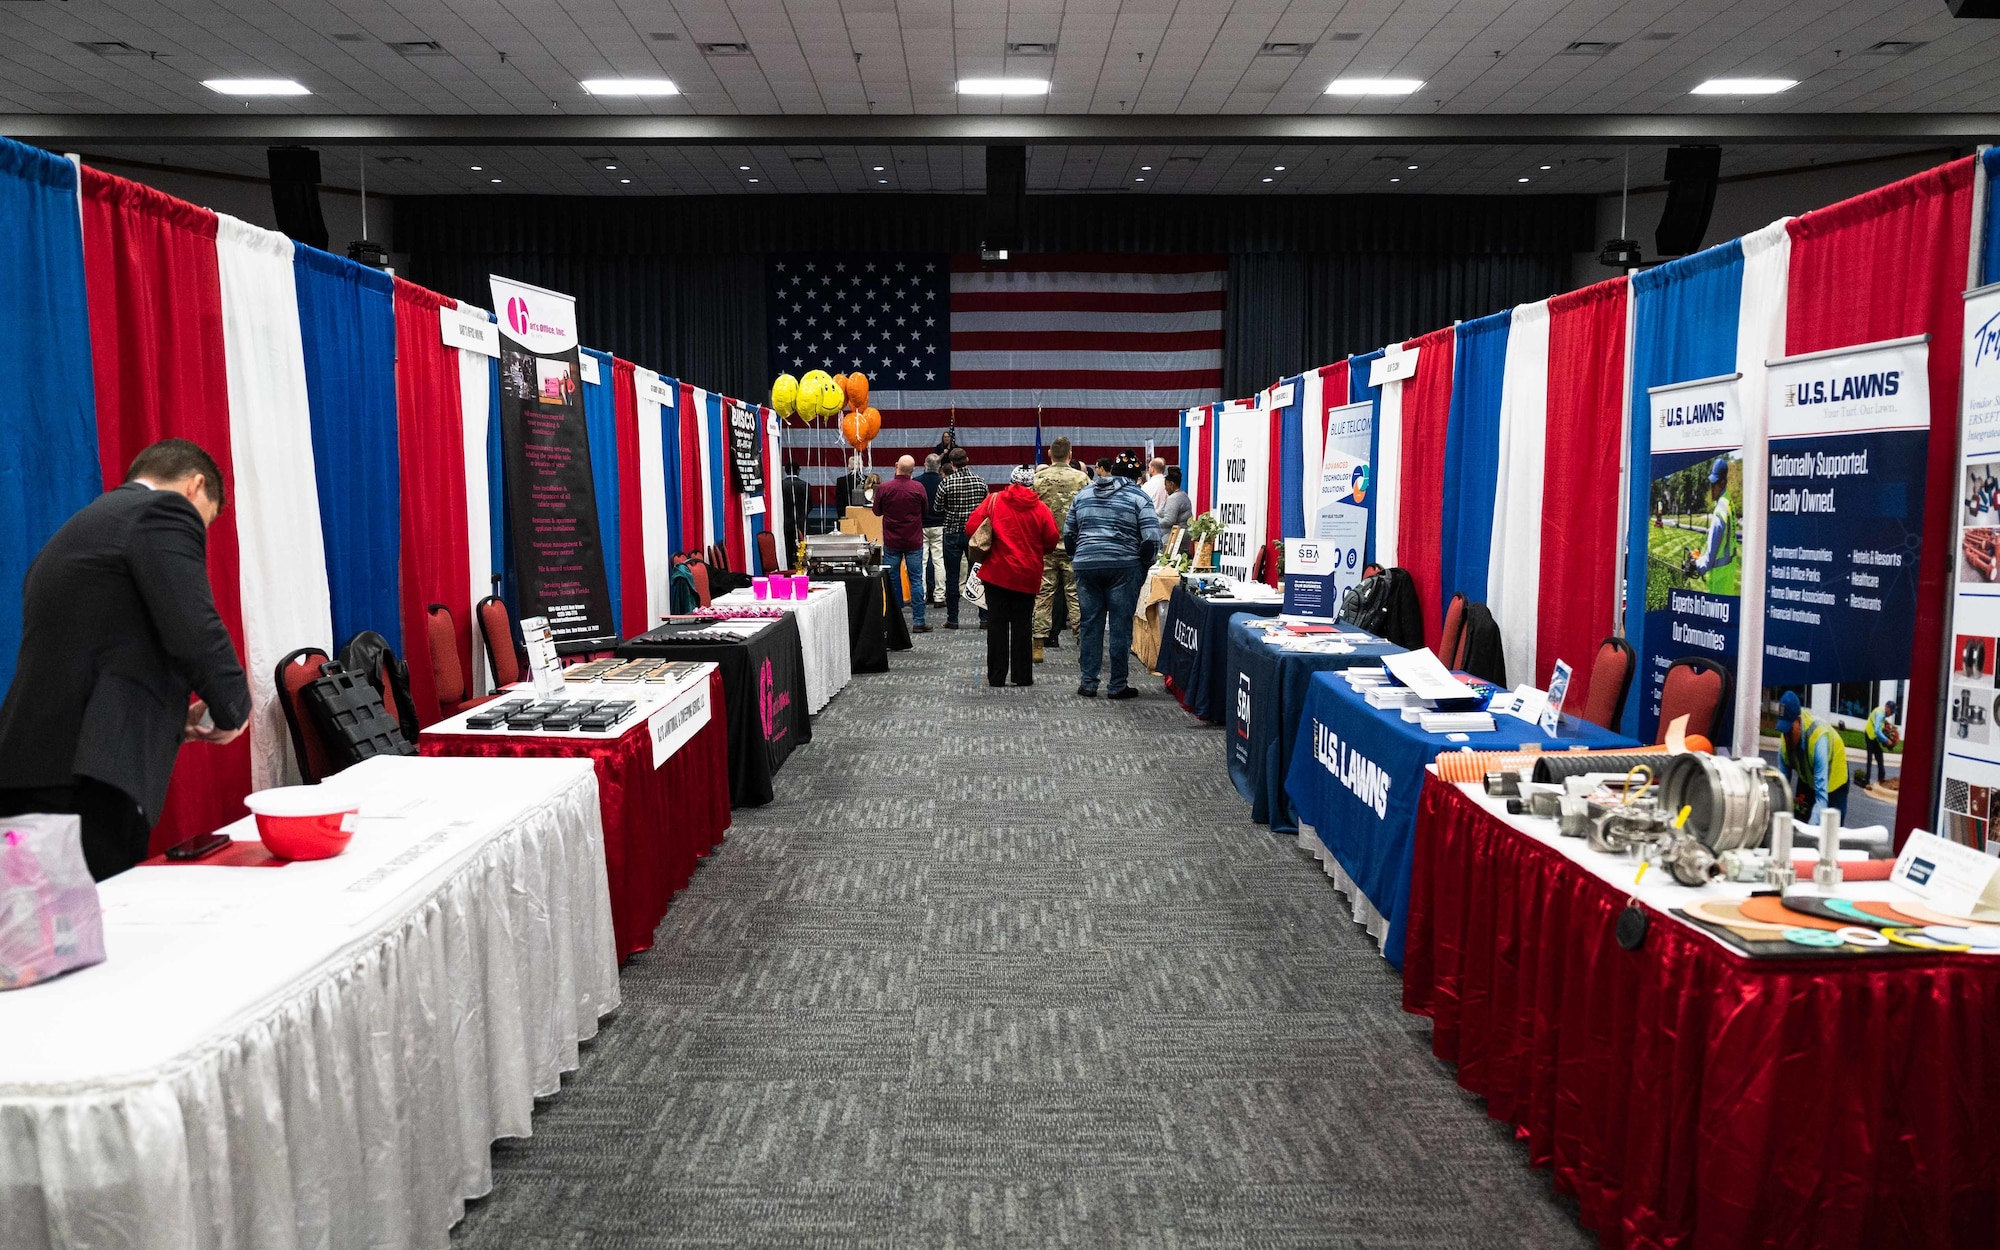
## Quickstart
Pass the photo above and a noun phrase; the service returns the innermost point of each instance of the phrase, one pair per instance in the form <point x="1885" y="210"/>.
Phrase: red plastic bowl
<point x="304" y="822"/>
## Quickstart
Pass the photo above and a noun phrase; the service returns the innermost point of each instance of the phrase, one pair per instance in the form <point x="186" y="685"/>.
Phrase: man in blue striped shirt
<point x="1113" y="535"/>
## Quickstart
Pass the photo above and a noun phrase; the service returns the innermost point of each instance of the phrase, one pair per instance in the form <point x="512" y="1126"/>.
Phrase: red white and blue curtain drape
<point x="361" y="454"/>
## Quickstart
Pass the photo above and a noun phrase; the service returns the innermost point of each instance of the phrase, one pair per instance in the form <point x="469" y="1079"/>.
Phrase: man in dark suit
<point x="118" y="627"/>
<point x="798" y="503"/>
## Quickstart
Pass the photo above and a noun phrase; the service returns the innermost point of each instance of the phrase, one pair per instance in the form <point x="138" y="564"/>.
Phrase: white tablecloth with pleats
<point x="318" y="1054"/>
<point x="823" y="636"/>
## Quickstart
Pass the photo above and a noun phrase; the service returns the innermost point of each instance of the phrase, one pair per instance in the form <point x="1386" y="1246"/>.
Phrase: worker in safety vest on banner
<point x="1718" y="556"/>
<point x="1812" y="752"/>
<point x="1879" y="735"/>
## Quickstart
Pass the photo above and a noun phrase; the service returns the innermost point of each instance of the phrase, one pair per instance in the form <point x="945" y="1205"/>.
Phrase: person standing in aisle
<point x="900" y="503"/>
<point x="930" y="479"/>
<point x="1813" y="755"/>
<point x="850" y="489"/>
<point x="798" y="502"/>
<point x="1176" y="510"/>
<point x="1056" y="484"/>
<point x="1113" y="534"/>
<point x="118" y="623"/>
<point x="1023" y="533"/>
<point x="957" y="497"/>
<point x="1879" y="736"/>
<point x="1155" y="484"/>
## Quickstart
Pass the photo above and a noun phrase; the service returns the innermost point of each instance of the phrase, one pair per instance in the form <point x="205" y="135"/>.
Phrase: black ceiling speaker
<point x="295" y="194"/>
<point x="1691" y="175"/>
<point x="1974" y="8"/>
<point x="1006" y="205"/>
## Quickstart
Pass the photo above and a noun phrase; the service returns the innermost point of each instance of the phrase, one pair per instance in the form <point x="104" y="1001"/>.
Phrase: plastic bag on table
<point x="50" y="922"/>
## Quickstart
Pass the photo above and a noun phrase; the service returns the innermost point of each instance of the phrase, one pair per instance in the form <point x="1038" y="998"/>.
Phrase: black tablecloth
<point x="872" y="630"/>
<point x="764" y="696"/>
<point x="1194" y="650"/>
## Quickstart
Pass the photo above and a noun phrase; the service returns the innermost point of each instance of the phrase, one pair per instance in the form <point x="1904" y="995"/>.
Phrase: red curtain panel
<point x="694" y="491"/>
<point x="1880" y="266"/>
<point x="1420" y="533"/>
<point x="156" y="346"/>
<point x="1580" y="539"/>
<point x="1274" y="499"/>
<point x="632" y="612"/>
<point x="430" y="437"/>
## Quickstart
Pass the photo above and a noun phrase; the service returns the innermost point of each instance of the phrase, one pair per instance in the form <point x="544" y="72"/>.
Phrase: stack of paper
<point x="1456" y="722"/>
<point x="1372" y="675"/>
<point x="1392" y="696"/>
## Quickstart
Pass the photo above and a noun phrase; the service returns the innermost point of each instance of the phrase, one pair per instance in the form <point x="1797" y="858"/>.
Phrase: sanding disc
<point x="1730" y="916"/>
<point x="1875" y="907"/>
<point x="1931" y="915"/>
<point x="1836" y="909"/>
<point x="1767" y="908"/>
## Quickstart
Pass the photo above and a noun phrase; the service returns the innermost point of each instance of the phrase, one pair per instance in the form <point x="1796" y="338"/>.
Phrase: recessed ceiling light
<point x="1147" y="168"/>
<point x="624" y="182"/>
<point x="611" y="167"/>
<point x="630" y="86"/>
<point x="1003" y="86"/>
<point x="1520" y="179"/>
<point x="753" y="180"/>
<point x="479" y="169"/>
<point x="1267" y="180"/>
<point x="882" y="182"/>
<point x="1279" y="168"/>
<point x="1410" y="167"/>
<point x="1373" y="86"/>
<point x="1548" y="167"/>
<point x="878" y="169"/>
<point x="1745" y="86"/>
<point x="1142" y="180"/>
<point x="1395" y="179"/>
<point x="496" y="180"/>
<point x="255" y="86"/>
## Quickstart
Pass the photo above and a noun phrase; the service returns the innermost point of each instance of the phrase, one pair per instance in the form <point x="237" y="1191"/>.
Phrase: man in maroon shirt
<point x="901" y="502"/>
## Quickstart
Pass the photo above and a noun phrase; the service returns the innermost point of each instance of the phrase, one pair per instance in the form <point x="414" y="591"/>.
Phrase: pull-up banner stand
<point x="1340" y="520"/>
<point x="1968" y="801"/>
<point x="1849" y="431"/>
<point x="1694" y="535"/>
<point x="551" y="498"/>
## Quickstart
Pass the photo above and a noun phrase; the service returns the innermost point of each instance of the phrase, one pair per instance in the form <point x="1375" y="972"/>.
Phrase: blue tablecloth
<point x="1265" y="694"/>
<point x="1194" y="650"/>
<point x="1355" y="776"/>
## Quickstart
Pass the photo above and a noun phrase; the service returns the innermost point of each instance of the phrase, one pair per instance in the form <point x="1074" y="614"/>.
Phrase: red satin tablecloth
<point x="657" y="821"/>
<point x="1681" y="1091"/>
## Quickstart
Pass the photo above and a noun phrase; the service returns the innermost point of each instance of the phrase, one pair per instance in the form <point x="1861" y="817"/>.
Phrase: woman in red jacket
<point x="1023" y="532"/>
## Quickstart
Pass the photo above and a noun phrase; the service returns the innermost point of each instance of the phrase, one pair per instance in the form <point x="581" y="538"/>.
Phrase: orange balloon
<point x="857" y="391"/>
<point x="851" y="431"/>
<point x="840" y="380"/>
<point x="1696" y="742"/>
<point x="871" y="424"/>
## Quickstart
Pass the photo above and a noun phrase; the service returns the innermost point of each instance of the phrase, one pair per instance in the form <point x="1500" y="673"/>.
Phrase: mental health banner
<point x="1849" y="432"/>
<point x="1972" y="707"/>
<point x="551" y="495"/>
<point x="1346" y="494"/>
<point x="1243" y="442"/>
<point x="1694" y="534"/>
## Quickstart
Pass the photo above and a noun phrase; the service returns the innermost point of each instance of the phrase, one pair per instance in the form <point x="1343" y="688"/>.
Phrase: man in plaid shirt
<point x="961" y="492"/>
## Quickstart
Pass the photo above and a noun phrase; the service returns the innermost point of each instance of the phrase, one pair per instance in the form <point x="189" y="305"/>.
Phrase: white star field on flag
<point x="888" y="316"/>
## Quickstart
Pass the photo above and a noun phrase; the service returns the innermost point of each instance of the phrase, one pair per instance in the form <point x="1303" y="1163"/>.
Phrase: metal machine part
<point x="832" y="554"/>
<point x="1826" y="873"/>
<point x="1966" y="712"/>
<point x="1503" y="784"/>
<point x="1780" y="873"/>
<point x="1750" y="867"/>
<point x="1729" y="801"/>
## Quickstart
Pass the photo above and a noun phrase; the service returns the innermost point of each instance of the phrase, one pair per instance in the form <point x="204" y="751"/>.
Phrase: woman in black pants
<point x="1023" y="532"/>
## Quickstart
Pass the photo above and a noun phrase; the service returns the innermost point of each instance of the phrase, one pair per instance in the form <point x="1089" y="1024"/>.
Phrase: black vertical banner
<point x="551" y="496"/>
<point x="746" y="445"/>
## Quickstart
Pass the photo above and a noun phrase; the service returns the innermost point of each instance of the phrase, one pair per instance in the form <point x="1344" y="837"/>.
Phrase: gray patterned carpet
<point x="1011" y="968"/>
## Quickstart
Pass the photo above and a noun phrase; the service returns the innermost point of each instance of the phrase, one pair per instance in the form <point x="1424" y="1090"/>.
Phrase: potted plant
<point x="1204" y="530"/>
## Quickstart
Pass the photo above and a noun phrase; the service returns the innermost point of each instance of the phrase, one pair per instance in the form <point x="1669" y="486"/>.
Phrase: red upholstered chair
<point x="295" y="672"/>
<point x="1451" y="642"/>
<point x="716" y="557"/>
<point x="503" y="654"/>
<point x="698" y="570"/>
<point x="447" y="675"/>
<point x="1610" y="679"/>
<point x="767" y="553"/>
<point x="1699" y="687"/>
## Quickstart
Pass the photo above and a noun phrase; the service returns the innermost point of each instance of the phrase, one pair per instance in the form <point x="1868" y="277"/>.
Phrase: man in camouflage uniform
<point x="1056" y="483"/>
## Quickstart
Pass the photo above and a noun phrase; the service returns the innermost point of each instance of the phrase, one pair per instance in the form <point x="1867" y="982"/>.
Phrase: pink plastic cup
<point x="781" y="587"/>
<point x="760" y="587"/>
<point x="801" y="586"/>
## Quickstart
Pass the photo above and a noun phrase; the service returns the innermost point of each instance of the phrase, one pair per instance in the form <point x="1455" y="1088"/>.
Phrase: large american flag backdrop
<point x="1108" y="349"/>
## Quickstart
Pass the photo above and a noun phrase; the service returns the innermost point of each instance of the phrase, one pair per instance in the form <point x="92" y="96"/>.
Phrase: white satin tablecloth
<point x="823" y="637"/>
<point x="320" y="1054"/>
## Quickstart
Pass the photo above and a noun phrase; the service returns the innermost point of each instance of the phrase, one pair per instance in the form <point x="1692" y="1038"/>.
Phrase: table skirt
<point x="658" y="822"/>
<point x="356" y="1108"/>
<point x="1685" y="1094"/>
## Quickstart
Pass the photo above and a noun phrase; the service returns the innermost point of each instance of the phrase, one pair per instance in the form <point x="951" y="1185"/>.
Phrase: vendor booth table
<point x="660" y="815"/>
<point x="1689" y="1095"/>
<point x="873" y="630"/>
<point x="1357" y="806"/>
<point x="763" y="693"/>
<point x="823" y="638"/>
<point x="315" y="1053"/>
<point x="1266" y="680"/>
<point x="1194" y="649"/>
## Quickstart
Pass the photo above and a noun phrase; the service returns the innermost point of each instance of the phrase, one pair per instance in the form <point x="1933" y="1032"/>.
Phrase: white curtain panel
<point x="653" y="503"/>
<point x="705" y="458"/>
<point x="286" y="603"/>
<point x="1388" y="473"/>
<point x="774" y="485"/>
<point x="1312" y="445"/>
<point x="475" y="402"/>
<point x="1760" y="336"/>
<point x="1514" y="563"/>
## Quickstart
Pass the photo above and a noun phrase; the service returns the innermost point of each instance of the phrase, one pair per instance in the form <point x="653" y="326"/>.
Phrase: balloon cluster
<point x="819" y="394"/>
